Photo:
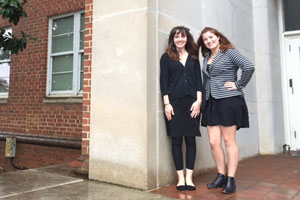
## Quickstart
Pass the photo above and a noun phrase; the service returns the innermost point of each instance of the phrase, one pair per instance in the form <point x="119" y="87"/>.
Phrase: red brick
<point x="26" y="113"/>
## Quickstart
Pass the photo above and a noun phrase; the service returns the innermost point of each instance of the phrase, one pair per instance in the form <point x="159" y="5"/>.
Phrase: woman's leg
<point x="215" y="140"/>
<point x="232" y="150"/>
<point x="177" y="157"/>
<point x="190" y="143"/>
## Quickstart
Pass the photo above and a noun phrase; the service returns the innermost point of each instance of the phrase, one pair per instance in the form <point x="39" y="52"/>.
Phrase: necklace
<point x="213" y="55"/>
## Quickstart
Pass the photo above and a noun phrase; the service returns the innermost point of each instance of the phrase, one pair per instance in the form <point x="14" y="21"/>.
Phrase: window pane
<point x="82" y="22"/>
<point x="4" y="55"/>
<point x="62" y="43"/>
<point x="62" y="81"/>
<point x="82" y="31"/>
<point x="81" y="40"/>
<point x="291" y="15"/>
<point x="4" y="77"/>
<point x="62" y="34"/>
<point x="63" y="26"/>
<point x="62" y="63"/>
<point x="81" y="70"/>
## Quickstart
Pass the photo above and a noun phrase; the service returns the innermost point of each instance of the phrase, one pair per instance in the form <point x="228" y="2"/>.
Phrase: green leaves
<point x="13" y="11"/>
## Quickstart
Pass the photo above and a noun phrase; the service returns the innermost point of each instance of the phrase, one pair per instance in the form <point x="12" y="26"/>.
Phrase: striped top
<point x="224" y="68"/>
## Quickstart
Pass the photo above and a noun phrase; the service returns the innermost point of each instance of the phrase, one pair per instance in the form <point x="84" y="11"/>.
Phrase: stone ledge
<point x="3" y="100"/>
<point x="62" y="99"/>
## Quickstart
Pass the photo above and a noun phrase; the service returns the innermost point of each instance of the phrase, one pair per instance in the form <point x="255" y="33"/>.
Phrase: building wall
<point x="268" y="76"/>
<point x="128" y="143"/>
<point x="118" y="145"/>
<point x="236" y="23"/>
<point x="26" y="111"/>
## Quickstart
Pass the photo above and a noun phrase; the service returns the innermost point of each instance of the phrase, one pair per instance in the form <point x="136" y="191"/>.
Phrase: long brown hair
<point x="224" y="42"/>
<point x="190" y="46"/>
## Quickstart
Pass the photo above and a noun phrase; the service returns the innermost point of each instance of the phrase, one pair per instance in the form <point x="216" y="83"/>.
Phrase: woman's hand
<point x="195" y="108"/>
<point x="169" y="111"/>
<point x="230" y="85"/>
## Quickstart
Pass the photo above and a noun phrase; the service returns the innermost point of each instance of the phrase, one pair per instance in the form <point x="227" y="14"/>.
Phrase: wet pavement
<point x="260" y="177"/>
<point x="43" y="184"/>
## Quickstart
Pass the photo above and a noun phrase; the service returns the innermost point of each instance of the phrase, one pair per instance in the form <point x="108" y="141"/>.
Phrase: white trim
<point x="79" y="61"/>
<point x="65" y="15"/>
<point x="283" y="74"/>
<point x="64" y="95"/>
<point x="4" y="95"/>
<point x="287" y="33"/>
<point x="4" y="61"/>
<point x="49" y="68"/>
<point x="63" y="34"/>
<point x="62" y="53"/>
<point x="76" y="46"/>
<point x="75" y="53"/>
<point x="64" y="72"/>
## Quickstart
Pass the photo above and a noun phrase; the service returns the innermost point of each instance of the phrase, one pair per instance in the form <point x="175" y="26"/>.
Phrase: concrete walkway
<point x="260" y="177"/>
<point x="40" y="184"/>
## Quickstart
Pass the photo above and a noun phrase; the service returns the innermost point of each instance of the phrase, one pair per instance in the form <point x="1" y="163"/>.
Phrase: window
<point x="4" y="69"/>
<point x="65" y="59"/>
<point x="291" y="15"/>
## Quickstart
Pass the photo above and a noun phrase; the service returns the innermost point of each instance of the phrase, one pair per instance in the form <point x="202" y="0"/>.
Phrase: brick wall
<point x="87" y="77"/>
<point x="25" y="111"/>
<point x="33" y="156"/>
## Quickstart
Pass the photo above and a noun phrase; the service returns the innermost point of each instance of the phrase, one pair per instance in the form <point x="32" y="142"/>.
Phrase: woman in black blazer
<point x="181" y="86"/>
<point x="224" y="108"/>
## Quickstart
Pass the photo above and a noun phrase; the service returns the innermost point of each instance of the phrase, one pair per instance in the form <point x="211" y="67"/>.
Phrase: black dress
<point x="182" y="124"/>
<point x="181" y="83"/>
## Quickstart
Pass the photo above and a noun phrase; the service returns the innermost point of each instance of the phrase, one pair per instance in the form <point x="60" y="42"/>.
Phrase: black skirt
<point x="182" y="124"/>
<point x="226" y="112"/>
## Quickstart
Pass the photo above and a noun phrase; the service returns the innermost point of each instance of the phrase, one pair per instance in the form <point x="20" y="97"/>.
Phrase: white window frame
<point x="5" y="94"/>
<point x="76" y="58"/>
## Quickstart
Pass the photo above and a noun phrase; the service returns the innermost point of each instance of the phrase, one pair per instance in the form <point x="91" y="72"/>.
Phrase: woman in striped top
<point x="224" y="109"/>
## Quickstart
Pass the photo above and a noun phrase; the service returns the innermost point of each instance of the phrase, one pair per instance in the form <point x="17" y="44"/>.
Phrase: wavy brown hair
<point x="190" y="47"/>
<point x="224" y="42"/>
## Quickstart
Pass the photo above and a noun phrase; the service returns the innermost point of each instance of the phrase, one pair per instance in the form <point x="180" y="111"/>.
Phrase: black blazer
<point x="177" y="80"/>
<point x="224" y="68"/>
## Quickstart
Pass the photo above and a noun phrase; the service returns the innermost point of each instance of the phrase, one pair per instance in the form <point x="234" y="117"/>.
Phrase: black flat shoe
<point x="180" y="187"/>
<point x="229" y="186"/>
<point x="190" y="187"/>
<point x="218" y="182"/>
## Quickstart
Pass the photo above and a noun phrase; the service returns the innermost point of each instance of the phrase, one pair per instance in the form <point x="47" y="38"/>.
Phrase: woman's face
<point x="210" y="40"/>
<point x="179" y="40"/>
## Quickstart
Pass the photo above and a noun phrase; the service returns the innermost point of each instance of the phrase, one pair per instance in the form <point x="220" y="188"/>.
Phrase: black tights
<point x="190" y="143"/>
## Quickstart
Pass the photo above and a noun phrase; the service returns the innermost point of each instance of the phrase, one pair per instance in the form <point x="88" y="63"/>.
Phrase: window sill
<point x="58" y="99"/>
<point x="3" y="100"/>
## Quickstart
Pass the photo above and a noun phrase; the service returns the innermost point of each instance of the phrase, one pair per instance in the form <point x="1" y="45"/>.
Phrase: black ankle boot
<point x="225" y="181"/>
<point x="229" y="186"/>
<point x="218" y="182"/>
